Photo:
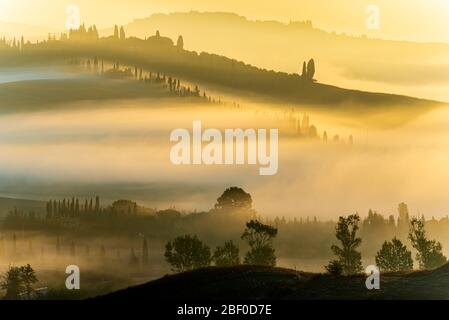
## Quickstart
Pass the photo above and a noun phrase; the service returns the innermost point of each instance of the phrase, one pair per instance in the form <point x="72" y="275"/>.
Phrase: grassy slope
<point x="8" y="204"/>
<point x="251" y="282"/>
<point x="43" y="94"/>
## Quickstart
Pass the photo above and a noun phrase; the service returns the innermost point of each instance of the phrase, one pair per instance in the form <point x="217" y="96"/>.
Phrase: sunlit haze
<point x="425" y="21"/>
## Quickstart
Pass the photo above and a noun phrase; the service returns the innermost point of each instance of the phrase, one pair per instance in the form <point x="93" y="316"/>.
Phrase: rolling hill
<point x="264" y="283"/>
<point x="351" y="61"/>
<point x="8" y="204"/>
<point x="34" y="95"/>
<point x="159" y="54"/>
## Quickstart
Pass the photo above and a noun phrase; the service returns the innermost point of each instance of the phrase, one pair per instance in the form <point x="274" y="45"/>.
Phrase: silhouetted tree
<point x="310" y="69"/>
<point x="394" y="256"/>
<point x="403" y="221"/>
<point x="77" y="207"/>
<point x="187" y="253"/>
<point x="12" y="282"/>
<point x="116" y="32"/>
<point x="234" y="198"/>
<point x="97" y="204"/>
<point x="197" y="91"/>
<point x="334" y="268"/>
<point x="180" y="43"/>
<point x="429" y="252"/>
<point x="28" y="277"/>
<point x="122" y="33"/>
<point x="304" y="70"/>
<point x="260" y="237"/>
<point x="346" y="233"/>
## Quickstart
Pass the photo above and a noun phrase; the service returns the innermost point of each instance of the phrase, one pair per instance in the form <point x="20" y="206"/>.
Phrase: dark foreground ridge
<point x="256" y="282"/>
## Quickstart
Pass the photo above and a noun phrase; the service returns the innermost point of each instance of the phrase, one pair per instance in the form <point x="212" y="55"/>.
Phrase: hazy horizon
<point x="348" y="16"/>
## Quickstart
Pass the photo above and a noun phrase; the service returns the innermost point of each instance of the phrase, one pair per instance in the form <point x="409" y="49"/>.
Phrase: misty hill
<point x="253" y="282"/>
<point x="159" y="54"/>
<point x="343" y="59"/>
<point x="9" y="204"/>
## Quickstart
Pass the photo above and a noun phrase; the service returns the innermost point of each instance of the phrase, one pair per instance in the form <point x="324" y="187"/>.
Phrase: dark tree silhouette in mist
<point x="186" y="253"/>
<point x="346" y="233"/>
<point x="259" y="237"/>
<point x="429" y="252"/>
<point x="18" y="280"/>
<point x="234" y="198"/>
<point x="334" y="268"/>
<point x="394" y="256"/>
<point x="180" y="43"/>
<point x="122" y="33"/>
<point x="28" y="277"/>
<point x="304" y="70"/>
<point x="310" y="69"/>
<point x="12" y="283"/>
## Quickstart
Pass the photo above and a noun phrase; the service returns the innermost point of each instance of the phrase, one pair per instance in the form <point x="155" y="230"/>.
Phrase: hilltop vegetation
<point x="159" y="54"/>
<point x="303" y="238"/>
<point x="401" y="64"/>
<point x="262" y="245"/>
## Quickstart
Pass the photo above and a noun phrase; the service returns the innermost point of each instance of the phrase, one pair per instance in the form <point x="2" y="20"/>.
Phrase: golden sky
<point x="400" y="19"/>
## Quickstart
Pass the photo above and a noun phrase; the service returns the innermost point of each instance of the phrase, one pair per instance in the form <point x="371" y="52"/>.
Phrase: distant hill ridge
<point x="347" y="60"/>
<point x="159" y="54"/>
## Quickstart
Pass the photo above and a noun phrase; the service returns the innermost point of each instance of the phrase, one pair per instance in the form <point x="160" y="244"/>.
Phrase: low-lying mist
<point x="113" y="146"/>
